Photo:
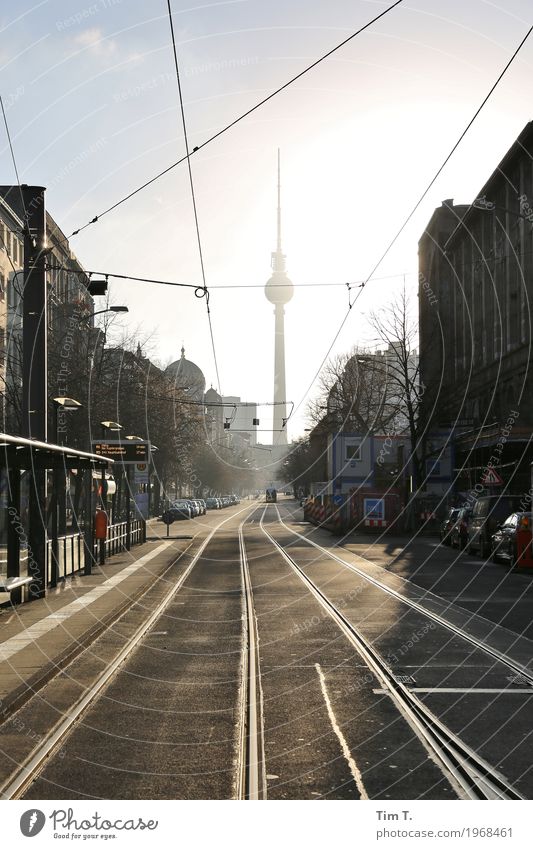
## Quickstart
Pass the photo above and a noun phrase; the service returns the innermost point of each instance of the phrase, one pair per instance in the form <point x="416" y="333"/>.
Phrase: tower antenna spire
<point x="279" y="203"/>
<point x="279" y="291"/>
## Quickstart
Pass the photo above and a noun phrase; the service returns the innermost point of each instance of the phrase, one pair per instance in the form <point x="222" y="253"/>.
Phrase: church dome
<point x="212" y="397"/>
<point x="187" y="376"/>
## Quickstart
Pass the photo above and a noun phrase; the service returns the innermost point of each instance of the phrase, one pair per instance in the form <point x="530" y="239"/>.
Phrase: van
<point x="488" y="513"/>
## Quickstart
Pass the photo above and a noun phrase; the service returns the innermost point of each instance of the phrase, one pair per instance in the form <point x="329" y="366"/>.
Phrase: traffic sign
<point x="491" y="478"/>
<point x="122" y="451"/>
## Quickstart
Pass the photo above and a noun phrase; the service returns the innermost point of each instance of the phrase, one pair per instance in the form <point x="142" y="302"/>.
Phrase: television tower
<point x="279" y="291"/>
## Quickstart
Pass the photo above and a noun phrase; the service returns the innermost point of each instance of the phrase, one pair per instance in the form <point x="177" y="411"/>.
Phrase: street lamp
<point x="109" y="309"/>
<point x="113" y="426"/>
<point x="63" y="403"/>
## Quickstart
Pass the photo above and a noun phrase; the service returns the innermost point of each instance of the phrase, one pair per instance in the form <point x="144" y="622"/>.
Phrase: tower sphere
<point x="279" y="289"/>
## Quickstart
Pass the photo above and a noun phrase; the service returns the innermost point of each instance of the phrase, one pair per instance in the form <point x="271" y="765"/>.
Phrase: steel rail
<point x="28" y="771"/>
<point x="440" y="620"/>
<point x="251" y="784"/>
<point x="475" y="777"/>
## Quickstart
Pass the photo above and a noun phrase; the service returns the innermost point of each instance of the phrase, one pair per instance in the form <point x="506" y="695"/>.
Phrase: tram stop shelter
<point x="34" y="506"/>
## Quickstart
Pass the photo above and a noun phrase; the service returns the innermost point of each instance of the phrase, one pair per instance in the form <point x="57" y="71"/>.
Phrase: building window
<point x="353" y="452"/>
<point x="433" y="468"/>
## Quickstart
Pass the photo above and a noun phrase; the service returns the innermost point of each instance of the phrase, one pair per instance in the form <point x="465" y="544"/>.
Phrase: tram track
<point x="28" y="771"/>
<point x="251" y="782"/>
<point x="501" y="657"/>
<point x="471" y="774"/>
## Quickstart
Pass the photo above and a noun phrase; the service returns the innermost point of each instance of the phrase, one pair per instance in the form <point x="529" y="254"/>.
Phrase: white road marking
<point x="490" y="690"/>
<point x="340" y="736"/>
<point x="19" y="641"/>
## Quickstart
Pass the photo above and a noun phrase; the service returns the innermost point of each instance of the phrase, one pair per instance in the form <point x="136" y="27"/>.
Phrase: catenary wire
<point x="14" y="162"/>
<point x="193" y="196"/>
<point x="239" y="118"/>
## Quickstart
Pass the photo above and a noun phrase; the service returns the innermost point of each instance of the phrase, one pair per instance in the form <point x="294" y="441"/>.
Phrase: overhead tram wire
<point x="90" y="272"/>
<point x="414" y="209"/>
<point x="14" y="164"/>
<point x="237" y="120"/>
<point x="193" y="196"/>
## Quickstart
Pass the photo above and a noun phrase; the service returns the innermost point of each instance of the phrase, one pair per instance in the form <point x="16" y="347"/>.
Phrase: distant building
<point x="188" y="377"/>
<point x="241" y="416"/>
<point x="380" y="462"/>
<point x="475" y="294"/>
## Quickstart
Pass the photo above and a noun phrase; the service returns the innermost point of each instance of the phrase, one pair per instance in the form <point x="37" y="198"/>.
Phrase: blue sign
<point x="374" y="508"/>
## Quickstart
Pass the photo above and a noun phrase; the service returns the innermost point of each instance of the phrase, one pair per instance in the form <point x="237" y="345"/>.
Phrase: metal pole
<point x="88" y="530"/>
<point x="34" y="373"/>
<point x="14" y="522"/>
<point x="54" y="505"/>
<point x="128" y="518"/>
<point x="102" y="541"/>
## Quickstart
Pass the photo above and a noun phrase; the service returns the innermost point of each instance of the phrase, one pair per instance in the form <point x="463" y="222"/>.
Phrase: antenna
<point x="279" y="203"/>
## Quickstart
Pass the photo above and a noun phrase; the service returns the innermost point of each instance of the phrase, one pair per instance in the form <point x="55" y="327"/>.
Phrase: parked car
<point x="199" y="506"/>
<point x="195" y="510"/>
<point x="448" y="523"/>
<point x="458" y="534"/>
<point x="504" y="540"/>
<point x="488" y="513"/>
<point x="180" y="510"/>
<point x="212" y="503"/>
<point x="203" y="506"/>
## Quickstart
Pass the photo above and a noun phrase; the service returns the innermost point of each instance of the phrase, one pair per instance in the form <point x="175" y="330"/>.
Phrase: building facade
<point x="11" y="282"/>
<point x="475" y="291"/>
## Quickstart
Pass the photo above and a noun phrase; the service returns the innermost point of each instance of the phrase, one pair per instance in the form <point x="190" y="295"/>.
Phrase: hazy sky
<point x="92" y="105"/>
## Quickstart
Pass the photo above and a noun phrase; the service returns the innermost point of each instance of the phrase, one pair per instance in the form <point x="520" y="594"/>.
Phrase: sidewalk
<point x="39" y="637"/>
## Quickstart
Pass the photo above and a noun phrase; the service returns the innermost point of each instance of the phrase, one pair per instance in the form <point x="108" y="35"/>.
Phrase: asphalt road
<point x="167" y="725"/>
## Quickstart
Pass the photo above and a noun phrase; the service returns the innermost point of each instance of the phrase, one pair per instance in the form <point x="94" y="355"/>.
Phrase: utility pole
<point x="34" y="372"/>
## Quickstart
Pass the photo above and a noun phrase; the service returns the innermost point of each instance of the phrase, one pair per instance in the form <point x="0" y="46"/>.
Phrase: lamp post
<point x="153" y="448"/>
<point x="133" y="438"/>
<point x="112" y="427"/>
<point x="61" y="403"/>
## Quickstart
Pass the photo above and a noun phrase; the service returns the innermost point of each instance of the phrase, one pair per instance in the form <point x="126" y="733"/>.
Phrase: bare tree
<point x="399" y="332"/>
<point x="355" y="394"/>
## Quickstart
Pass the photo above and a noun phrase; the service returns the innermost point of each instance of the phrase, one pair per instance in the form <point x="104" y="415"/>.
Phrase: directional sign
<point x="491" y="478"/>
<point x="122" y="451"/>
